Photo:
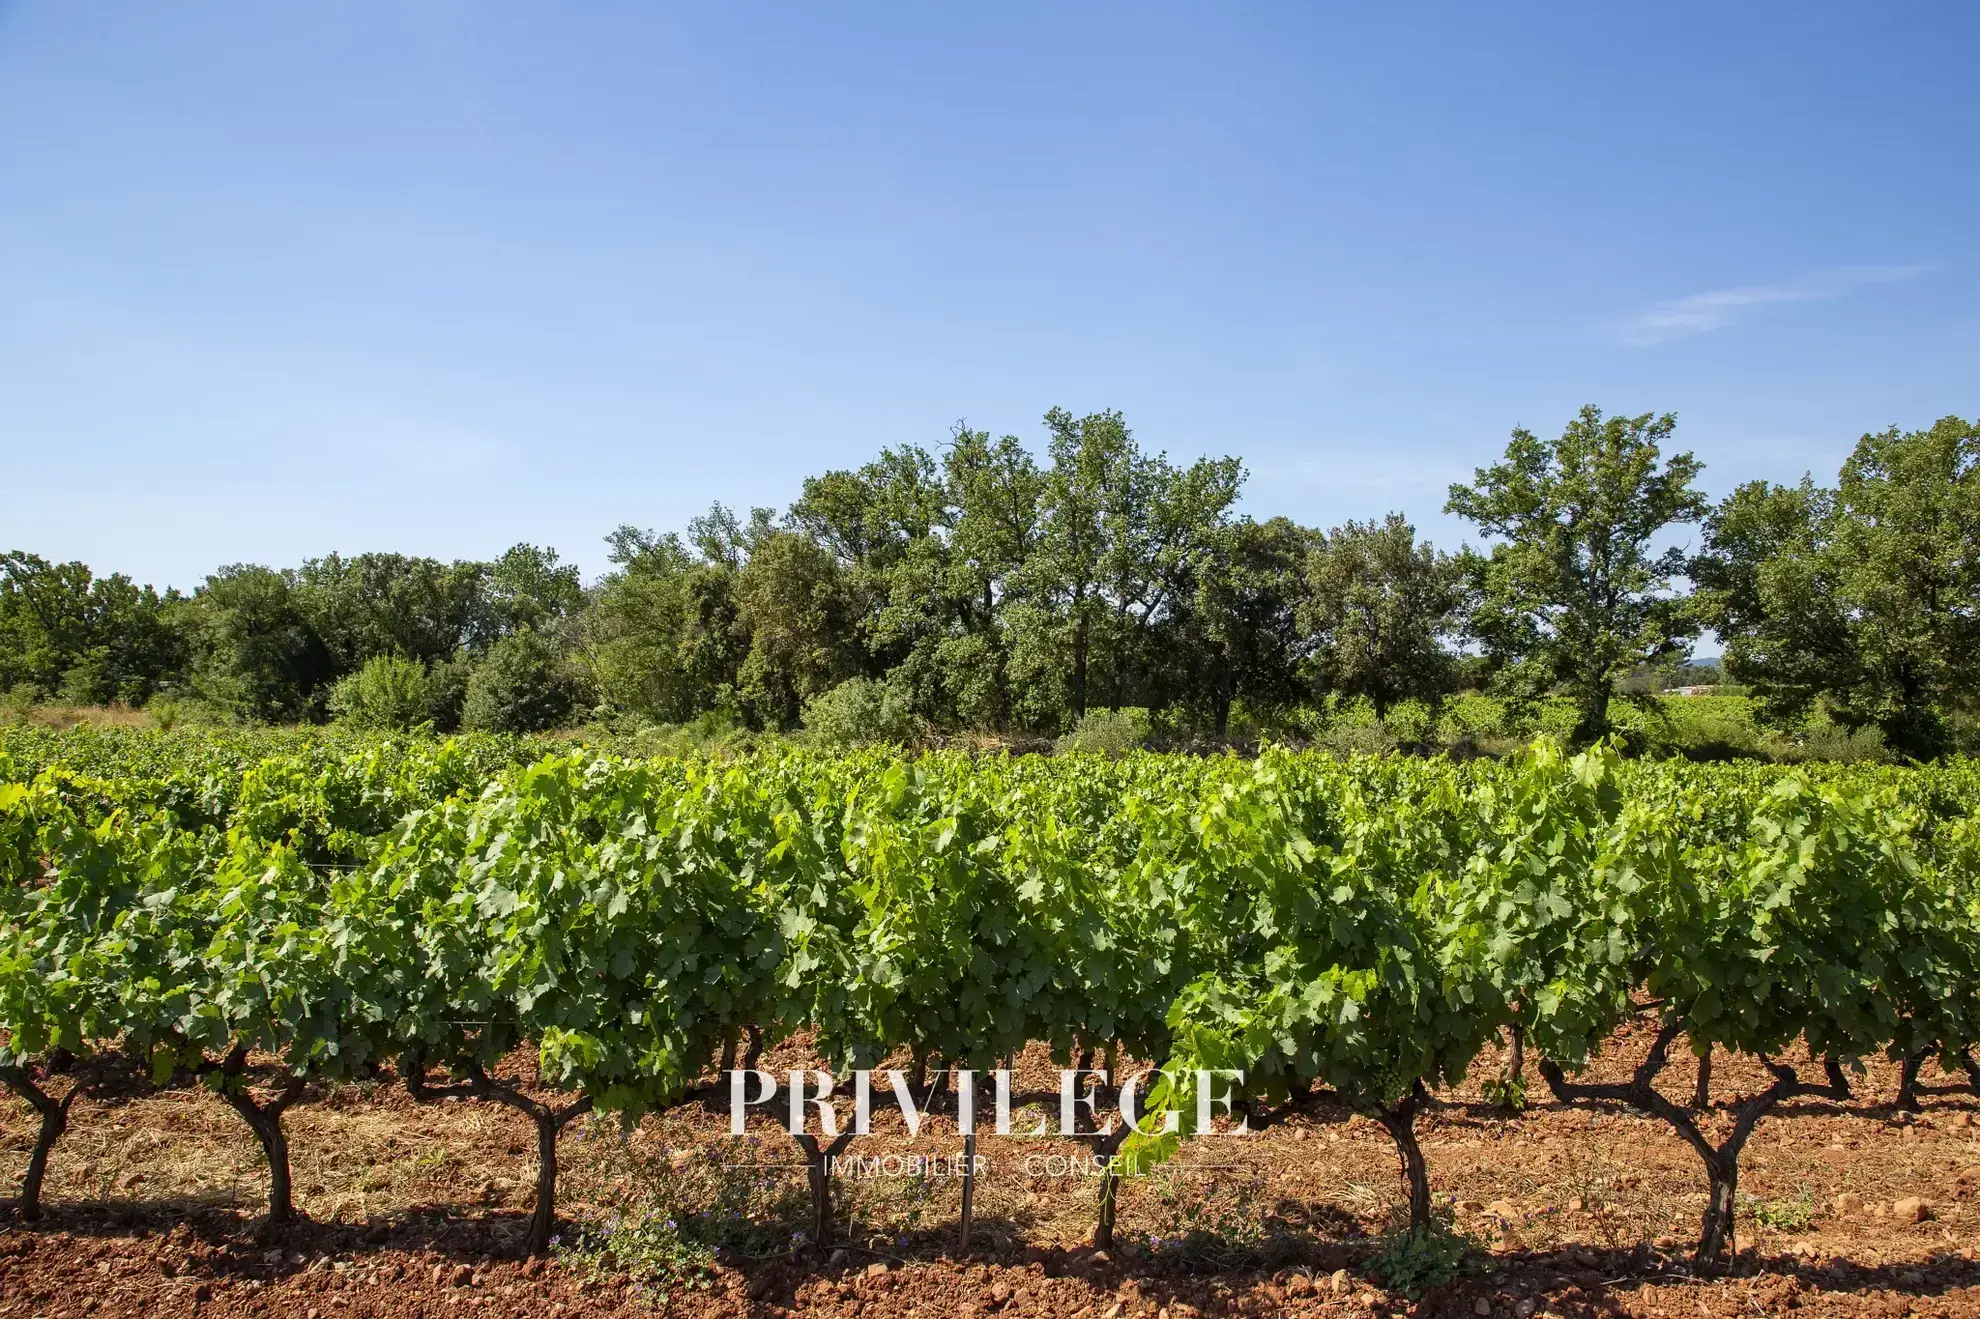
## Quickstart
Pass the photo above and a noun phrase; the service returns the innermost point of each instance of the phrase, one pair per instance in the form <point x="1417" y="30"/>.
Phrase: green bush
<point x="390" y="693"/>
<point x="860" y="711"/>
<point x="518" y="687"/>
<point x="1407" y="1262"/>
<point x="1108" y="731"/>
<point x="712" y="732"/>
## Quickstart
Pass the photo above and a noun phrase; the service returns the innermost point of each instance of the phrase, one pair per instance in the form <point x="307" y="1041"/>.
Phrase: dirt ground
<point x="154" y="1210"/>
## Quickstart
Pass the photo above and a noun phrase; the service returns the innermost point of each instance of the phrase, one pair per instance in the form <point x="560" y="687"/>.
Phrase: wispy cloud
<point x="1702" y="313"/>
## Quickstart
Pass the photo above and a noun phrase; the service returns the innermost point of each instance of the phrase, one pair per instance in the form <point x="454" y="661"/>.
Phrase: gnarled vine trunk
<point x="54" y="1120"/>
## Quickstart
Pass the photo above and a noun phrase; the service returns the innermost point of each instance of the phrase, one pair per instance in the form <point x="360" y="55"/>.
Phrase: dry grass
<point x="70" y="716"/>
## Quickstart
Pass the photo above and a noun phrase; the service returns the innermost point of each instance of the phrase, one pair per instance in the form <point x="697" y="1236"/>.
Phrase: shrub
<point x="1407" y="1262"/>
<point x="1108" y="731"/>
<point x="390" y="692"/>
<point x="712" y="732"/>
<point x="860" y="711"/>
<point x="518" y="687"/>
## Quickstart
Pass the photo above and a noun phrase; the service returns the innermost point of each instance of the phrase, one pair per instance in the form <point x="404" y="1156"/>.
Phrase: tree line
<point x="978" y="585"/>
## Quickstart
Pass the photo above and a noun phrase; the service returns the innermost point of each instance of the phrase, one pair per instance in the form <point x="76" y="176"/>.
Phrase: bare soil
<point x="153" y="1209"/>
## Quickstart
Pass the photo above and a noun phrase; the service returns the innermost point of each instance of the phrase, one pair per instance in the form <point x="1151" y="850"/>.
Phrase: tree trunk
<point x="549" y="1124"/>
<point x="1907" y="1095"/>
<point x="1516" y="1062"/>
<point x="1079" y="671"/>
<point x="1400" y="1123"/>
<point x="1715" y="1232"/>
<point x="968" y="1188"/>
<point x="1701" y="1090"/>
<point x="1110" y="1188"/>
<point x="265" y="1121"/>
<point x="1715" y="1236"/>
<point x="54" y="1115"/>
<point x="818" y="1173"/>
<point x="1592" y="725"/>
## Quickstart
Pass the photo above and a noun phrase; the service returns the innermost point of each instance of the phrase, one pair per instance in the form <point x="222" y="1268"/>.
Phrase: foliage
<point x="859" y="711"/>
<point x="520" y="686"/>
<point x="330" y="902"/>
<point x="389" y="692"/>
<point x="647" y="1250"/>
<point x="1574" y="594"/>
<point x="1408" y="1261"/>
<point x="1378" y="607"/>
<point x="1864" y="599"/>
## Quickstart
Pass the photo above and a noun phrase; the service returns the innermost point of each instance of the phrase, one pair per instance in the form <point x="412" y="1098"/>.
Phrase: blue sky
<point x="438" y="277"/>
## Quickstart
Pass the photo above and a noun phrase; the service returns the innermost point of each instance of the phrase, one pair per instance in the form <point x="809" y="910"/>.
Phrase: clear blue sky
<point x="279" y="279"/>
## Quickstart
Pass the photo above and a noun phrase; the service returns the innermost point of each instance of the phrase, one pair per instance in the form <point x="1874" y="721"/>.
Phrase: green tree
<point x="1244" y="615"/>
<point x="529" y="587"/>
<point x="92" y="640"/>
<point x="793" y="598"/>
<point x="390" y="604"/>
<point x="519" y="686"/>
<point x="1865" y="599"/>
<point x="255" y="650"/>
<point x="1379" y="610"/>
<point x="389" y="692"/>
<point x="1574" y="595"/>
<point x="662" y="637"/>
<point x="1121" y="537"/>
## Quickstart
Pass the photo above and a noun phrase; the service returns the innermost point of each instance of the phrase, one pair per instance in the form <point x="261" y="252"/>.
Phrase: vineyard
<point x="276" y="921"/>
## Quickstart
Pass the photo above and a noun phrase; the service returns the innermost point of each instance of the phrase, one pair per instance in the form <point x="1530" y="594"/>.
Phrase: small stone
<point x="1338" y="1282"/>
<point x="877" y="1269"/>
<point x="1848" y="1203"/>
<point x="532" y="1266"/>
<point x="1101" y="1257"/>
<point x="839" y="1257"/>
<point x="461" y="1276"/>
<point x="203" y="1291"/>
<point x="1525" y="1308"/>
<point x="1000" y="1291"/>
<point x="1114" y="1311"/>
<point x="1575" y="1205"/>
<point x="1369" y="1300"/>
<point x="1503" y="1209"/>
<point x="1481" y="1306"/>
<point x="1911" y="1209"/>
<point x="1911" y="1278"/>
<point x="1300" y="1284"/>
<point x="439" y="1274"/>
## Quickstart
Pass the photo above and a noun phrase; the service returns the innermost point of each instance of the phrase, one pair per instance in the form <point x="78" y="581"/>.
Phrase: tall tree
<point x="662" y="638"/>
<point x="1092" y="461"/>
<point x="1575" y="595"/>
<point x="66" y="632"/>
<point x="996" y="511"/>
<point x="1244" y="616"/>
<point x="390" y="604"/>
<point x="1379" y="610"/>
<point x="1864" y="599"/>
<point x="1121" y="537"/>
<point x="528" y="587"/>
<point x="792" y="597"/>
<point x="256" y="651"/>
